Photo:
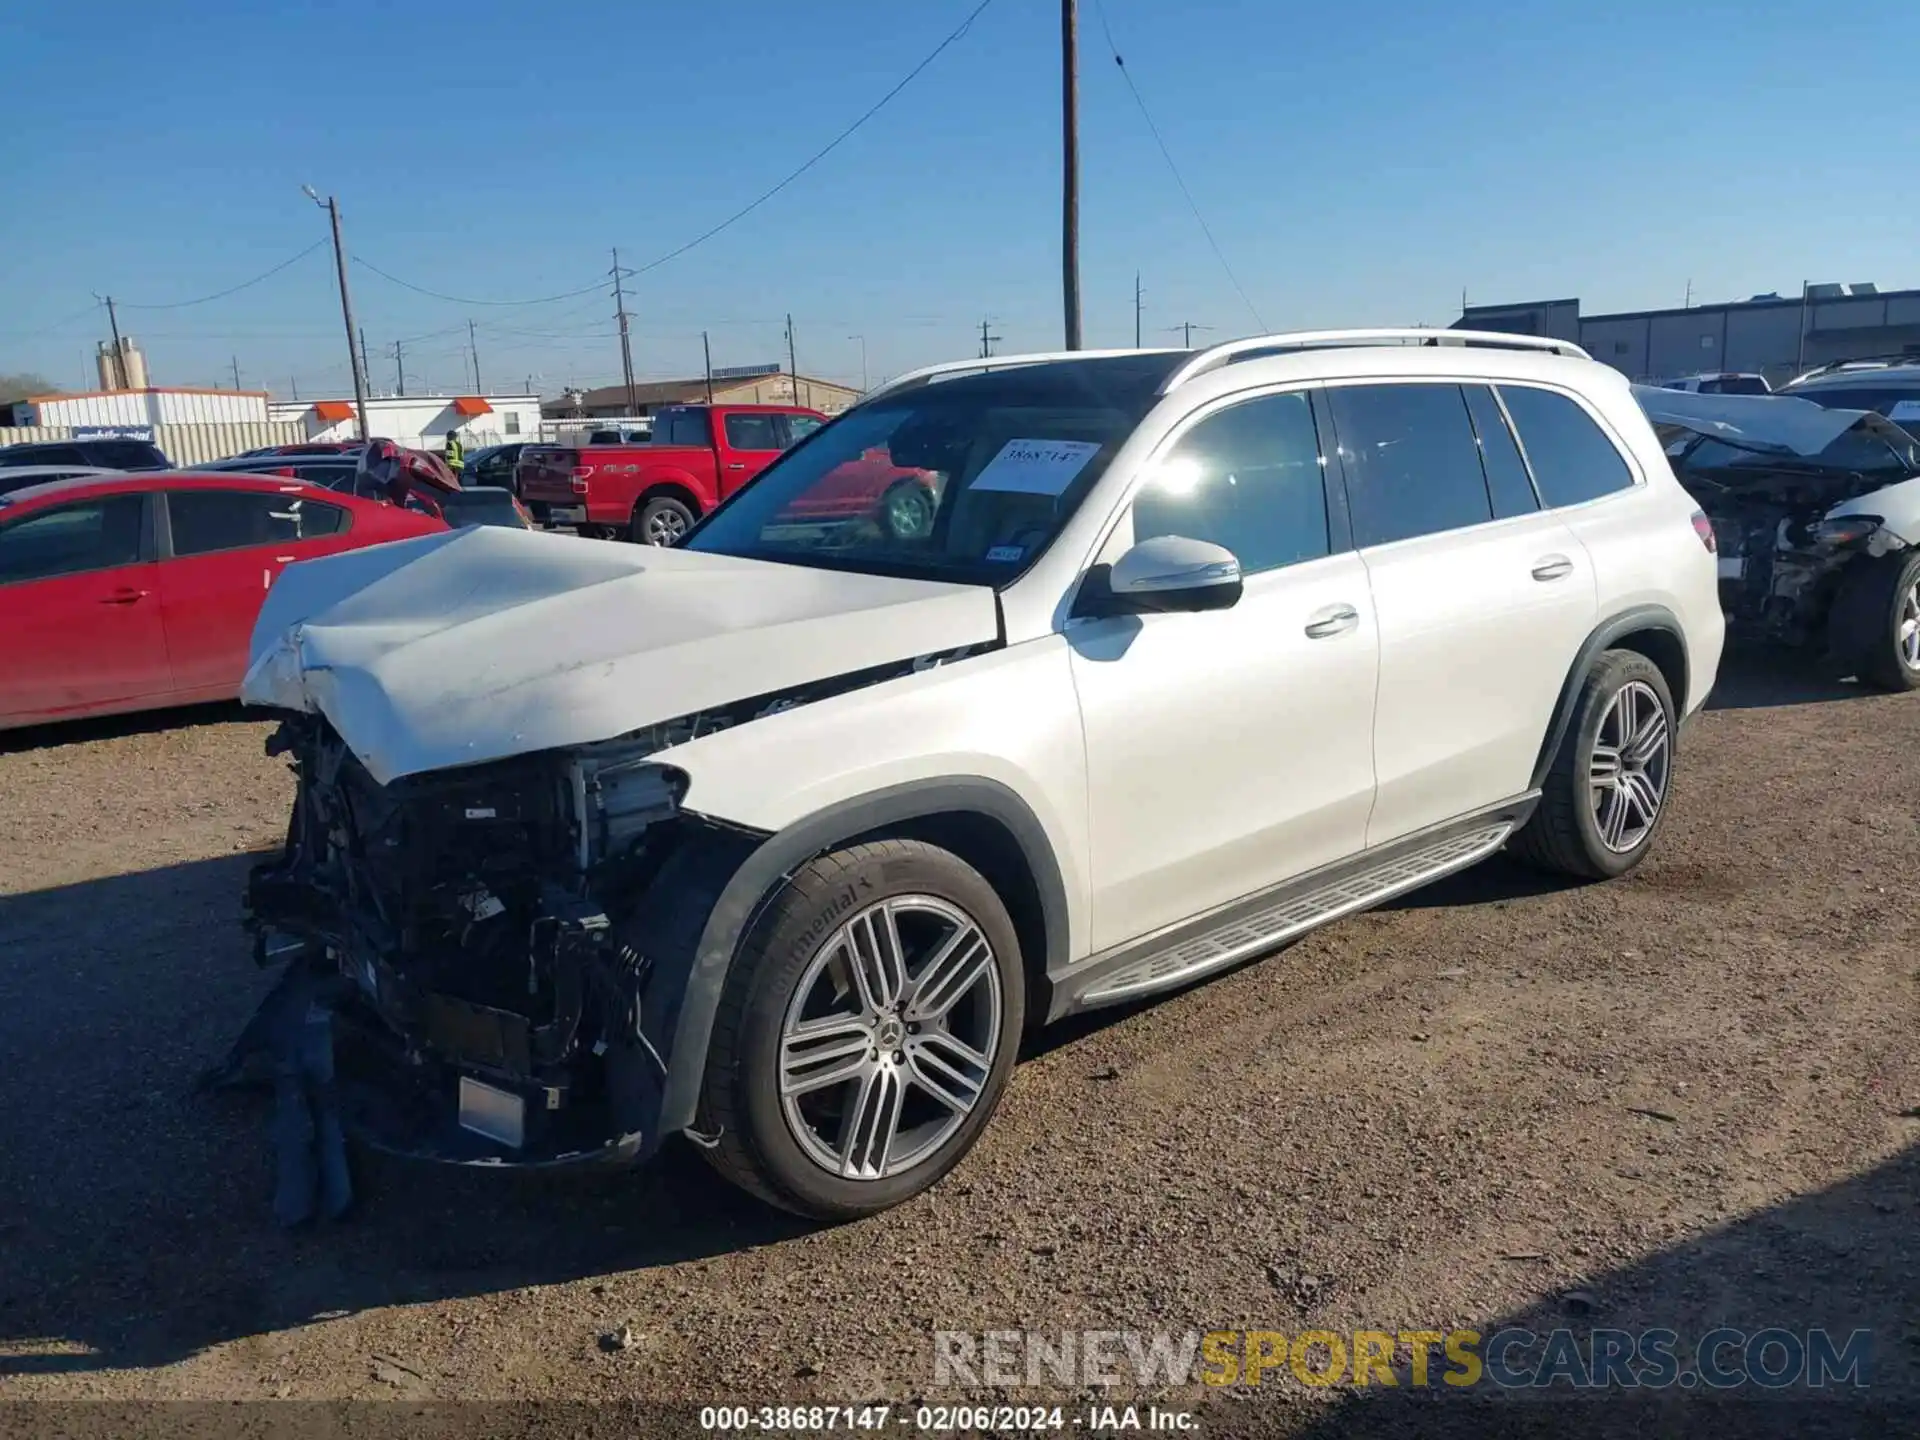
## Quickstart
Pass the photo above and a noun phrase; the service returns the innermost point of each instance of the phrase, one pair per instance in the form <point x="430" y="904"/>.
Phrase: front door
<point x="1229" y="750"/>
<point x="80" y="596"/>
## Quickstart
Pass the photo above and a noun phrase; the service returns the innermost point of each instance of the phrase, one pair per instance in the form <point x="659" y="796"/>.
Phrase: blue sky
<point x="1359" y="163"/>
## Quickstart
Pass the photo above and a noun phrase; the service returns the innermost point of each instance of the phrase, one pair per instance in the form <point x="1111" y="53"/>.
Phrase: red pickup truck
<point x="653" y="492"/>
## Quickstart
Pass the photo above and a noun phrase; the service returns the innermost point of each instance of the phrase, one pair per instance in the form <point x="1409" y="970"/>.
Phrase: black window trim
<point x="1620" y="448"/>
<point x="1540" y="505"/>
<point x="149" y="534"/>
<point x="1339" y="527"/>
<point x="160" y="517"/>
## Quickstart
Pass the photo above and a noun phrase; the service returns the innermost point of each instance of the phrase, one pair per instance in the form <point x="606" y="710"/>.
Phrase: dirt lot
<point x="1674" y="1100"/>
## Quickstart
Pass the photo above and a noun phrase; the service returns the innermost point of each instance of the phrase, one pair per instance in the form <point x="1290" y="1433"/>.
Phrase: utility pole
<point x="626" y="342"/>
<point x="366" y="366"/>
<point x="473" y="345"/>
<point x="1687" y="304"/>
<point x="863" y="361"/>
<point x="1070" y="167"/>
<point x="296" y="389"/>
<point x="793" y="365"/>
<point x="1186" y="329"/>
<point x="356" y="358"/>
<point x="706" y="359"/>
<point x="1800" y="357"/>
<point x="236" y="372"/>
<point x="119" y="371"/>
<point x="986" y="342"/>
<point x="400" y="368"/>
<point x="1136" y="309"/>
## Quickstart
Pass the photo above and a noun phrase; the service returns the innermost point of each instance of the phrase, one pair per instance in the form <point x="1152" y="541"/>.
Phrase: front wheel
<point x="866" y="1031"/>
<point x="662" y="521"/>
<point x="908" y="510"/>
<point x="1873" y="630"/>
<point x="1606" y="793"/>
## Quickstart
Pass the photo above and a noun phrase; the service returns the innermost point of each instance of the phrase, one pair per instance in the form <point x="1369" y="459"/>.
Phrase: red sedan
<point x="138" y="590"/>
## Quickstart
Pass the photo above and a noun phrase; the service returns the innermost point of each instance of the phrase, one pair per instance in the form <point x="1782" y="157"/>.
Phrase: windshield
<point x="965" y="482"/>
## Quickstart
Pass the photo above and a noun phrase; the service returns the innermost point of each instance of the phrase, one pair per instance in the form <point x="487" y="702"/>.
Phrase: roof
<point x="141" y="390"/>
<point x="141" y="480"/>
<point x="686" y="392"/>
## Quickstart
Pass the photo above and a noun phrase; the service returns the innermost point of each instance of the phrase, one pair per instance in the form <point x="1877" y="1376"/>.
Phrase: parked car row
<point x="782" y="836"/>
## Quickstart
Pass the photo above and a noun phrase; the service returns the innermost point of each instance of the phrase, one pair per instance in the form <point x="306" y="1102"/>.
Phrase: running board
<point x="1290" y="912"/>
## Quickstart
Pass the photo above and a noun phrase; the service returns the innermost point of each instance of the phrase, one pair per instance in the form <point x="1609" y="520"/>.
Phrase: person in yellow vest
<point x="456" y="456"/>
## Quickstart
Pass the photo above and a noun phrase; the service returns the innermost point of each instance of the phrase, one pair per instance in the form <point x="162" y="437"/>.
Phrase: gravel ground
<point x="1681" y="1099"/>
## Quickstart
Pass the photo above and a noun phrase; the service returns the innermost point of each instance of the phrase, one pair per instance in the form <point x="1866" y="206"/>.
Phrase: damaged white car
<point x="780" y="838"/>
<point x="1817" y="515"/>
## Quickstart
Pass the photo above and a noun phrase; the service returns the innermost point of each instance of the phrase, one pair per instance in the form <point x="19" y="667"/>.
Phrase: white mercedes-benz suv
<point x="779" y="838"/>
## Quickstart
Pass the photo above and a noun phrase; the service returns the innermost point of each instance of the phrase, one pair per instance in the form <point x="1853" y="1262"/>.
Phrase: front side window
<point x="72" y="539"/>
<point x="1572" y="459"/>
<point x="207" y="521"/>
<point x="752" y="432"/>
<point x="1412" y="461"/>
<point x="1247" y="478"/>
<point x="967" y="481"/>
<point x="798" y="427"/>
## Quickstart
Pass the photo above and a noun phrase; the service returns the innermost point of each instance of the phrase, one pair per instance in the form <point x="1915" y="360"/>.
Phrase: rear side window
<point x="1412" y="461"/>
<point x="127" y="455"/>
<point x="681" y="427"/>
<point x="45" y="455"/>
<point x="752" y="432"/>
<point x="1247" y="478"/>
<point x="72" y="539"/>
<point x="1572" y="459"/>
<point x="1507" y="480"/>
<point x="207" y="521"/>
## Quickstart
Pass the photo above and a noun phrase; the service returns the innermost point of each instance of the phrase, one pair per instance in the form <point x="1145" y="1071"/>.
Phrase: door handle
<point x="125" y="595"/>
<point x="1552" y="567"/>
<point x="1333" y="620"/>
<point x="736" y="465"/>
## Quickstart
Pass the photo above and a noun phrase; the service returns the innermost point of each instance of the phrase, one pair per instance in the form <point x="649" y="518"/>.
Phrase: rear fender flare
<point x="759" y="876"/>
<point x="1640" y="617"/>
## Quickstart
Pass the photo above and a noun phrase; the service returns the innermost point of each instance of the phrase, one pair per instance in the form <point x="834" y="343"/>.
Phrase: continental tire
<point x="1606" y="794"/>
<point x="865" y="1031"/>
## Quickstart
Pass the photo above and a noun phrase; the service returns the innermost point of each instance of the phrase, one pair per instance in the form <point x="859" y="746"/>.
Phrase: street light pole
<point x="332" y="207"/>
<point x="1070" y="168"/>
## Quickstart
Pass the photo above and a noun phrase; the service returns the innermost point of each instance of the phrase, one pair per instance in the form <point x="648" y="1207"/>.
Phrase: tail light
<point x="1703" y="527"/>
<point x="580" y="474"/>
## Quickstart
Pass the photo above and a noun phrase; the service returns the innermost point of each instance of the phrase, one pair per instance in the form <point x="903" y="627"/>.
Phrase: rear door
<point x="82" y="627"/>
<point x="1484" y="599"/>
<point x="221" y="552"/>
<point x="749" y="442"/>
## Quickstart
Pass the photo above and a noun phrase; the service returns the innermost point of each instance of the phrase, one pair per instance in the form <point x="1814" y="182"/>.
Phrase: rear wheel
<point x="867" y="1028"/>
<point x="662" y="520"/>
<point x="1873" y="630"/>
<point x="1606" y="793"/>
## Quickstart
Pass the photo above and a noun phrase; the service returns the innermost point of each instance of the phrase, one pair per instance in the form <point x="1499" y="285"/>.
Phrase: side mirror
<point x="1164" y="574"/>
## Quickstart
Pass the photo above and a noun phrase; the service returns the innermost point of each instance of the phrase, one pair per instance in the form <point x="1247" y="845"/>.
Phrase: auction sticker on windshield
<point x="1036" y="467"/>
<point x="1902" y="410"/>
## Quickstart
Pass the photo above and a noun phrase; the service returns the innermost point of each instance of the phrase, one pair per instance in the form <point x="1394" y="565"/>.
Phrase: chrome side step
<point x="1244" y="934"/>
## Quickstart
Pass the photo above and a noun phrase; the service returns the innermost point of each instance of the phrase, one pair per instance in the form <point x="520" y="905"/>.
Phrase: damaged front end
<point x="492" y="1005"/>
<point x="1782" y="555"/>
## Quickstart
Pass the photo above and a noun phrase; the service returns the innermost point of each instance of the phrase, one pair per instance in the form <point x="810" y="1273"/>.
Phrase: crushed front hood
<point x="1780" y="425"/>
<point x="483" y="643"/>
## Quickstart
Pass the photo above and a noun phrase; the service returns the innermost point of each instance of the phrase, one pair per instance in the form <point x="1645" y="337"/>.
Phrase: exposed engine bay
<point x="490" y="940"/>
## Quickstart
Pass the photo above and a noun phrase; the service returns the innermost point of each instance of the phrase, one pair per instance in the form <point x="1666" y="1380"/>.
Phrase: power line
<point x="231" y="290"/>
<point x="738" y="215"/>
<point x="825" y="150"/>
<point x="93" y="309"/>
<point x="1167" y="155"/>
<point x="366" y="264"/>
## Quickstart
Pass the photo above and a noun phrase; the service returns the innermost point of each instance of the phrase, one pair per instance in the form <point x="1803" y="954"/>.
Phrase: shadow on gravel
<point x="112" y="727"/>
<point x="1840" y="1259"/>
<point x="1494" y="880"/>
<point x="1759" y="679"/>
<point x="134" y="1215"/>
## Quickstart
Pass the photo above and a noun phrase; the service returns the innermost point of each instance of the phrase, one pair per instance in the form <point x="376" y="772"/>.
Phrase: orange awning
<point x="471" y="405"/>
<point x="332" y="410"/>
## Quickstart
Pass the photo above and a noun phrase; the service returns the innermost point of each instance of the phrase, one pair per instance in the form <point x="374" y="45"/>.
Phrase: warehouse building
<point x="1771" y="335"/>
<point x="740" y="385"/>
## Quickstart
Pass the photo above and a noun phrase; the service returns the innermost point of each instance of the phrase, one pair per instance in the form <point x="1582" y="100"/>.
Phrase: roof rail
<point x="928" y="373"/>
<point x="1215" y="356"/>
<point x="1863" y="361"/>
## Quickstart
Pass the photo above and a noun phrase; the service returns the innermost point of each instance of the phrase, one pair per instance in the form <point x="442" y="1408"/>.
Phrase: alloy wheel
<point x="1627" y="772"/>
<point x="665" y="526"/>
<point x="1908" y="633"/>
<point x="890" y="1037"/>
